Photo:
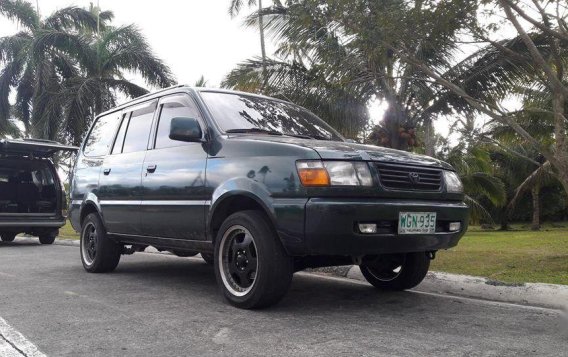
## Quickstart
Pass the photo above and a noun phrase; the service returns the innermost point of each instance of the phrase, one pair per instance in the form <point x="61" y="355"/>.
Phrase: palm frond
<point x="477" y="213"/>
<point x="538" y="177"/>
<point x="71" y="18"/>
<point x="20" y="11"/>
<point x="127" y="49"/>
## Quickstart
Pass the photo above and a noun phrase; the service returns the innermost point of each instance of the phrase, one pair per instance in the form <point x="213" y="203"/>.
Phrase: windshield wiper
<point x="306" y="136"/>
<point x="253" y="130"/>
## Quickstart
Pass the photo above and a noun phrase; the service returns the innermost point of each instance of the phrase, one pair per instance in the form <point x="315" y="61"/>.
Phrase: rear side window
<point x="100" y="138"/>
<point x="138" y="130"/>
<point x="173" y="107"/>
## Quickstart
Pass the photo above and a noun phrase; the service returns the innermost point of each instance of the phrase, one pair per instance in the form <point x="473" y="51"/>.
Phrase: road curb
<point x="530" y="294"/>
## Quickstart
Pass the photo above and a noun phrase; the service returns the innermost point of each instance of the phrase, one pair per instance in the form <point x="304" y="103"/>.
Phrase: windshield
<point x="243" y="113"/>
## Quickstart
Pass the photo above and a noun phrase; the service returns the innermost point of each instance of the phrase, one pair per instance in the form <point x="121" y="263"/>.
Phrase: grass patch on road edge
<point x="517" y="256"/>
<point x="67" y="232"/>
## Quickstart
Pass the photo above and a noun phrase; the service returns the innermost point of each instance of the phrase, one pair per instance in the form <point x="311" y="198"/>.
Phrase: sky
<point x="193" y="37"/>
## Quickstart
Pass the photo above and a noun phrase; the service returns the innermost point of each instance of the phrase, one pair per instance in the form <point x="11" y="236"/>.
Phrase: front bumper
<point x="331" y="226"/>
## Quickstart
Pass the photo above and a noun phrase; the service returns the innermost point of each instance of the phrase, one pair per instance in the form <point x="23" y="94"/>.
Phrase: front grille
<point x="400" y="177"/>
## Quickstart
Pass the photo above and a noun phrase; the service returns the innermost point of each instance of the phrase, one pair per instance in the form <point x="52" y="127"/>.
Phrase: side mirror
<point x="185" y="129"/>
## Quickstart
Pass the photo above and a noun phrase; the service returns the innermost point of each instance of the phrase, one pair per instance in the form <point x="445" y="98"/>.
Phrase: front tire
<point x="7" y="236"/>
<point x="396" y="271"/>
<point x="99" y="254"/>
<point x="251" y="265"/>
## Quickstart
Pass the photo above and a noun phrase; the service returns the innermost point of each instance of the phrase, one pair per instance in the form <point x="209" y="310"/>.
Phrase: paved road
<point x="157" y="305"/>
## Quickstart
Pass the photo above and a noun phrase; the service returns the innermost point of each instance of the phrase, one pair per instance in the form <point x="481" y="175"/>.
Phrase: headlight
<point x="334" y="173"/>
<point x="453" y="182"/>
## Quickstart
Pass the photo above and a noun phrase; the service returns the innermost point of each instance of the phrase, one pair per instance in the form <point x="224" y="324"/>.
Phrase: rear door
<point x="120" y="178"/>
<point x="173" y="176"/>
<point x="32" y="148"/>
<point x="29" y="185"/>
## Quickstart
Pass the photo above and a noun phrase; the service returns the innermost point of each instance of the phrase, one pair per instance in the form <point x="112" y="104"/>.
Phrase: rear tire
<point x="48" y="238"/>
<point x="7" y="236"/>
<point x="396" y="271"/>
<point x="99" y="254"/>
<point x="251" y="265"/>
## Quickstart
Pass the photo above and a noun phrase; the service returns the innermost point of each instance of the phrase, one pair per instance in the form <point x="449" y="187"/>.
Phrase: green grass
<point x="67" y="232"/>
<point x="518" y="256"/>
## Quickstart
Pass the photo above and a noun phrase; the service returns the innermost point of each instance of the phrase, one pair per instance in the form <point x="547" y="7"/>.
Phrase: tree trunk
<point x="262" y="45"/>
<point x="429" y="138"/>
<point x="535" y="193"/>
<point x="504" y="220"/>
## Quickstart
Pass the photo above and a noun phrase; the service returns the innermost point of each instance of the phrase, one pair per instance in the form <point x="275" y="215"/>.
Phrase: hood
<point x="339" y="150"/>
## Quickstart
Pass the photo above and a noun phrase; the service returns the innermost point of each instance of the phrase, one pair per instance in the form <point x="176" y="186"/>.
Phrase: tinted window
<point x="175" y="107"/>
<point x="236" y="111"/>
<point x="117" y="148"/>
<point x="100" y="139"/>
<point x="138" y="130"/>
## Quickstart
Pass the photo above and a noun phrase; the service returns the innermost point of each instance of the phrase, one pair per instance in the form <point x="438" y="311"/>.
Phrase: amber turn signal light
<point x="313" y="173"/>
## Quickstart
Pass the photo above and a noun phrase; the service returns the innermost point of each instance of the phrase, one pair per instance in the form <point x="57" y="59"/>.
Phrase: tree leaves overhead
<point x="21" y="12"/>
<point x="68" y="67"/>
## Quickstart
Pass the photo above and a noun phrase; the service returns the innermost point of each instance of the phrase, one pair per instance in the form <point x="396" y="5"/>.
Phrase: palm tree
<point x="36" y="58"/>
<point x="351" y="44"/>
<point x="519" y="163"/>
<point x="103" y="59"/>
<point x="344" y="109"/>
<point x="64" y="71"/>
<point x="474" y="165"/>
<point x="235" y="8"/>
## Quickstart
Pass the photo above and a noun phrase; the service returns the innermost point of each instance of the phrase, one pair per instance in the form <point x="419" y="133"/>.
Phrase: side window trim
<point x="153" y="103"/>
<point x="125" y="121"/>
<point x="158" y="114"/>
<point x="122" y="118"/>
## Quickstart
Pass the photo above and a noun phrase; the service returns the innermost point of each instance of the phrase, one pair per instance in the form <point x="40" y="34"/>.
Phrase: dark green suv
<point x="261" y="188"/>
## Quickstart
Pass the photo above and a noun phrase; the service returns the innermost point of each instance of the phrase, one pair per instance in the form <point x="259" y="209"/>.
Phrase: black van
<point x="32" y="197"/>
<point x="261" y="188"/>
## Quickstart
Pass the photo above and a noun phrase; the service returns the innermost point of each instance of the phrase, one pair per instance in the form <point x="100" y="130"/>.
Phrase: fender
<point x="90" y="199"/>
<point x="242" y="186"/>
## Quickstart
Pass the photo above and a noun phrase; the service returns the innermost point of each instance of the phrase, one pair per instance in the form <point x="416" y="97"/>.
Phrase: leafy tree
<point x="235" y="8"/>
<point x="477" y="172"/>
<point x="64" y="71"/>
<point x="102" y="59"/>
<point x="349" y="45"/>
<point x="36" y="58"/>
<point x="540" y="61"/>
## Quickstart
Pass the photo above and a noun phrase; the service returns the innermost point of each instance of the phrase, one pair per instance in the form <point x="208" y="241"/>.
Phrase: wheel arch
<point x="244" y="195"/>
<point x="88" y="206"/>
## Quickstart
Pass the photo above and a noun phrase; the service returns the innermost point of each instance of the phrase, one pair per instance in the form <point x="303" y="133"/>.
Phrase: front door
<point x="173" y="177"/>
<point x="120" y="178"/>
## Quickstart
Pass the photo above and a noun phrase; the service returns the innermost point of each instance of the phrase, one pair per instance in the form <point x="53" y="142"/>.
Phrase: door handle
<point x="151" y="168"/>
<point x="106" y="171"/>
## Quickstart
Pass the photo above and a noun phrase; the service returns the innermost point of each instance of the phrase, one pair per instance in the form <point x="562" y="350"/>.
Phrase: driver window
<point x="173" y="107"/>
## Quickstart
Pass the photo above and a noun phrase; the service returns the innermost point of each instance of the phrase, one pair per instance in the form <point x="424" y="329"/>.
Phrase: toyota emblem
<point x="414" y="177"/>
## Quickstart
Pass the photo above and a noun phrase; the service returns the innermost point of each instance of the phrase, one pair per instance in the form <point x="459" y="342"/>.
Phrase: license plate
<point x="416" y="222"/>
